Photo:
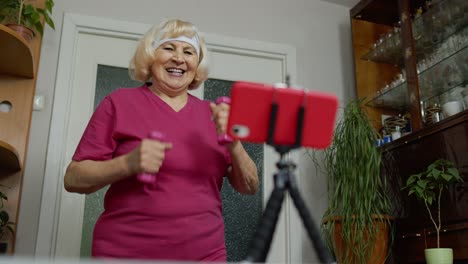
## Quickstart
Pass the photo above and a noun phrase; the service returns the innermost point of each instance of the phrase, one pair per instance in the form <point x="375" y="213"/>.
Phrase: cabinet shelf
<point x="9" y="158"/>
<point x="430" y="31"/>
<point x="389" y="51"/>
<point x="441" y="77"/>
<point x="376" y="11"/>
<point x="394" y="98"/>
<point x="456" y="120"/>
<point x="16" y="57"/>
<point x="383" y="12"/>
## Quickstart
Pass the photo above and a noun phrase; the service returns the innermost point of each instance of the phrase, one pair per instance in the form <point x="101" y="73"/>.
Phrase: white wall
<point x="320" y="32"/>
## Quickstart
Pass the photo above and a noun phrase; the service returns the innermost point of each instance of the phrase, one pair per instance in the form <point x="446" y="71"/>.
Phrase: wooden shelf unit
<point x="19" y="62"/>
<point x="16" y="58"/>
<point x="9" y="158"/>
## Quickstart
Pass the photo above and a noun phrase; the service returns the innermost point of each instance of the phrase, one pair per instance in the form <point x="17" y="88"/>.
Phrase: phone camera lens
<point x="240" y="131"/>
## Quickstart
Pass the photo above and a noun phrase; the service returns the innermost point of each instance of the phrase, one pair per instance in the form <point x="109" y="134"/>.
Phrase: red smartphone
<point x="251" y="104"/>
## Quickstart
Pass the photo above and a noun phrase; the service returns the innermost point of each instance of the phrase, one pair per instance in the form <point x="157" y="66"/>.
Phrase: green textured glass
<point x="108" y="79"/>
<point x="241" y="213"/>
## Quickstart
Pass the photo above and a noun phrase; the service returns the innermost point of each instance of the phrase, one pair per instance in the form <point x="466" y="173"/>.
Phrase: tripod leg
<point x="264" y="234"/>
<point x="314" y="234"/>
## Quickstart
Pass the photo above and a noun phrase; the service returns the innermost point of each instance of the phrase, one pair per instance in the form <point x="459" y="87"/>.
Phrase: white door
<point x="230" y="59"/>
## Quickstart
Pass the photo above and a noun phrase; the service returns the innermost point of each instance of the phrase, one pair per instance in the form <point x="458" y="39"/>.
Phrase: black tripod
<point x="285" y="181"/>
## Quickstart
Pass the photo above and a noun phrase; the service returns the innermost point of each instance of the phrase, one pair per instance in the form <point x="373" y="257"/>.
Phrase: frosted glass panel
<point x="108" y="79"/>
<point x="242" y="213"/>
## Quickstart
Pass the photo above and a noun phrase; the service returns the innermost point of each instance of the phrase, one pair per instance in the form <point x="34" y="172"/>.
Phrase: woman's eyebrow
<point x="189" y="47"/>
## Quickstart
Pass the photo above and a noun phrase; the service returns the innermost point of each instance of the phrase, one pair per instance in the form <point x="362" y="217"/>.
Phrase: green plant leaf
<point x="49" y="21"/>
<point x="28" y="10"/>
<point x="430" y="199"/>
<point x="419" y="191"/>
<point x="422" y="183"/>
<point x="39" y="27"/>
<point x="36" y="17"/>
<point x="27" y="14"/>
<point x="4" y="217"/>
<point x="49" y="5"/>
<point x="447" y="177"/>
<point x="454" y="172"/>
<point x="412" y="179"/>
<point x="10" y="229"/>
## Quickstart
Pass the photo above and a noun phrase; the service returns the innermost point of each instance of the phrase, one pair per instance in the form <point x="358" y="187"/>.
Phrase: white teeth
<point x="175" y="70"/>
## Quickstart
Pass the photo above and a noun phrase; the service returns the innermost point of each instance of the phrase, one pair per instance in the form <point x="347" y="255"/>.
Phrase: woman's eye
<point x="168" y="48"/>
<point x="188" y="52"/>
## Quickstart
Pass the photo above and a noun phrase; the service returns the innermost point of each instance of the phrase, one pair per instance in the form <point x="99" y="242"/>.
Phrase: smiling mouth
<point x="175" y="71"/>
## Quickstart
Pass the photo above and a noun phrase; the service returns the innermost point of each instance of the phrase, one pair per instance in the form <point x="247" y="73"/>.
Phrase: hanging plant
<point x="25" y="13"/>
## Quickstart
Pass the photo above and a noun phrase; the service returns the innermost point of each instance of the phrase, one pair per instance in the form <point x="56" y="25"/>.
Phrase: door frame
<point x="75" y="24"/>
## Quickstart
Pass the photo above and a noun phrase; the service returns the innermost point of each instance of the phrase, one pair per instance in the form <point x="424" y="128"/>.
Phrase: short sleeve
<point x="97" y="142"/>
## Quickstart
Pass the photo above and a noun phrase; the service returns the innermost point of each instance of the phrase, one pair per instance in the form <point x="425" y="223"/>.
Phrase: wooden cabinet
<point x="448" y="140"/>
<point x="411" y="57"/>
<point x="18" y="70"/>
<point x="404" y="65"/>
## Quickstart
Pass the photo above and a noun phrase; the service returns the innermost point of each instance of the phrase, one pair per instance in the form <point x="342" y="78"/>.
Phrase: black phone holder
<point x="284" y="181"/>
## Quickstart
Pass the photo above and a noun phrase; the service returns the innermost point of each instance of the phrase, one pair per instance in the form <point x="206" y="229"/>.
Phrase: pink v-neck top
<point x="179" y="217"/>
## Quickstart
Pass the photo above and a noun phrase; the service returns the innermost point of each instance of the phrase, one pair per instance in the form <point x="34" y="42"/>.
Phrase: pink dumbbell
<point x="150" y="177"/>
<point x="224" y="138"/>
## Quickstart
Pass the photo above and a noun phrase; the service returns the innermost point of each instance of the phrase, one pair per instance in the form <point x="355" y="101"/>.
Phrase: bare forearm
<point x="243" y="175"/>
<point x="88" y="176"/>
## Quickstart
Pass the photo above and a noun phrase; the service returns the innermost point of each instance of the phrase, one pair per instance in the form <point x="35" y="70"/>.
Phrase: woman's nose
<point x="178" y="57"/>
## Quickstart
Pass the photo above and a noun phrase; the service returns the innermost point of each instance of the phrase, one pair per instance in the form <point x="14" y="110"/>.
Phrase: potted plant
<point x="6" y="226"/>
<point x="356" y="223"/>
<point x="428" y="186"/>
<point x="25" y="18"/>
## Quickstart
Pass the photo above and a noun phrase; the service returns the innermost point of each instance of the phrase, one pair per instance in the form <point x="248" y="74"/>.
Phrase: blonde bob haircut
<point x="144" y="57"/>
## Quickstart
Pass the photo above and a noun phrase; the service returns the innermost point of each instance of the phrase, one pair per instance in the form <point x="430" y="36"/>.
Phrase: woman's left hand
<point x="242" y="174"/>
<point x="220" y="115"/>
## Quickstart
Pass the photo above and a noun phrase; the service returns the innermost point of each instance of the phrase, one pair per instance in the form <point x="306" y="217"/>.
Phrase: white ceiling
<point x="347" y="3"/>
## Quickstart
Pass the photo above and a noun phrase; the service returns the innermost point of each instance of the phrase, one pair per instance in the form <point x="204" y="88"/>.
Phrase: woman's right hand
<point x="147" y="157"/>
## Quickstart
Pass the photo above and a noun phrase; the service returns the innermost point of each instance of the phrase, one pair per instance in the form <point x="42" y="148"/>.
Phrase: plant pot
<point x="23" y="31"/>
<point x="379" y="252"/>
<point x="439" y="255"/>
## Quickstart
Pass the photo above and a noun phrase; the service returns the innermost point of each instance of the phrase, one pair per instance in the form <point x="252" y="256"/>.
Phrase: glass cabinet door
<point x="441" y="45"/>
<point x="424" y="54"/>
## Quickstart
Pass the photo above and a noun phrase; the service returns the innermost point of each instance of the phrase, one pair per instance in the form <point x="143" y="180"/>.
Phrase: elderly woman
<point x="179" y="215"/>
